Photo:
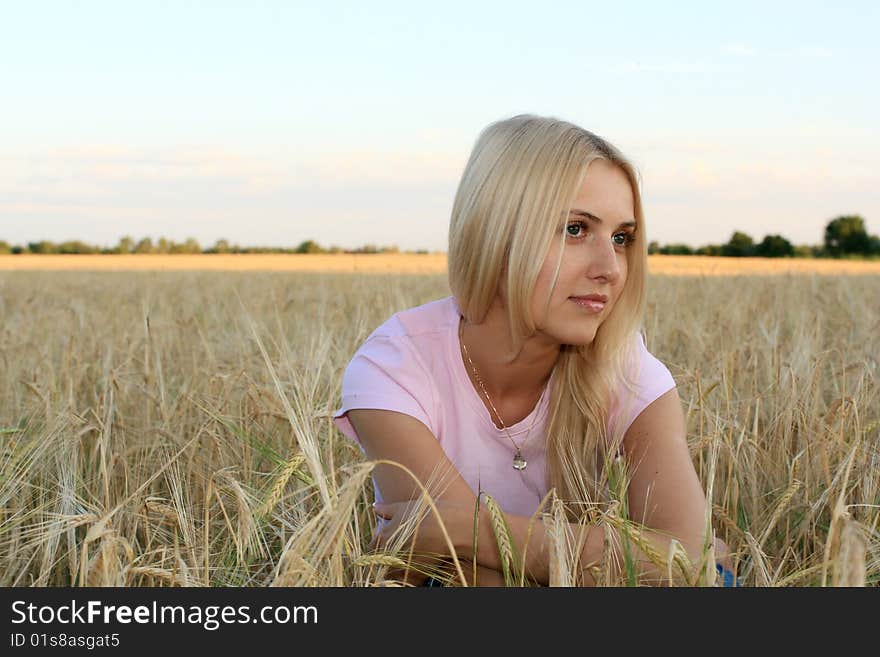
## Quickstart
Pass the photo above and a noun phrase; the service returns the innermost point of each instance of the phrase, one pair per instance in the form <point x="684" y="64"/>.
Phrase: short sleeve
<point x="385" y="374"/>
<point x="652" y="379"/>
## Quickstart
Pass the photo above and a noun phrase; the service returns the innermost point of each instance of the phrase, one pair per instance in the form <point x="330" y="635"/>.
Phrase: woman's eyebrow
<point x="584" y="213"/>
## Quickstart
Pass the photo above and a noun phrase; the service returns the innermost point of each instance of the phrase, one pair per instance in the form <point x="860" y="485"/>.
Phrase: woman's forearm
<point x="534" y="544"/>
<point x="531" y="543"/>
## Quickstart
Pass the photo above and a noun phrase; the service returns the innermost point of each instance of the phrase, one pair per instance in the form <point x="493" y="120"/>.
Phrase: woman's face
<point x="594" y="259"/>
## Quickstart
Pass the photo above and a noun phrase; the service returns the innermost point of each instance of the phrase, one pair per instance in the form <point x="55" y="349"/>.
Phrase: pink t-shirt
<point x="412" y="364"/>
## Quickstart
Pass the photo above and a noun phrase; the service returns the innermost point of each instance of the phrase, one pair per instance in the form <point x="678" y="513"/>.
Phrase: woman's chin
<point x="579" y="339"/>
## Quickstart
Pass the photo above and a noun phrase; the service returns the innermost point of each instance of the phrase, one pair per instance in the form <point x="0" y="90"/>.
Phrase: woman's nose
<point x="604" y="260"/>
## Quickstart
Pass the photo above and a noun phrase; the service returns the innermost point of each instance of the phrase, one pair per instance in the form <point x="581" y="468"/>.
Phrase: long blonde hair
<point x="518" y="185"/>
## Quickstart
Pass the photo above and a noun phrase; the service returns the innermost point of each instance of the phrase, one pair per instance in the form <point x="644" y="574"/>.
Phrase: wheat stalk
<point x="781" y="506"/>
<point x="502" y="537"/>
<point x="280" y="483"/>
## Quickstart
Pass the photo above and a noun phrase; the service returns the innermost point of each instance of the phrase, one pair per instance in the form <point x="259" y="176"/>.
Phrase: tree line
<point x="128" y="245"/>
<point x="845" y="236"/>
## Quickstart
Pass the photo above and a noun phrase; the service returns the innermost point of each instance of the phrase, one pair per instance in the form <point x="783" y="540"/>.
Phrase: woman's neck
<point x="508" y="378"/>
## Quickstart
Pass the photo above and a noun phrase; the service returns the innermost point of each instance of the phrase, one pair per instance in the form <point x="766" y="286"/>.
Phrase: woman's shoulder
<point x="429" y="318"/>
<point x="415" y="336"/>
<point x="650" y="366"/>
<point x="650" y="377"/>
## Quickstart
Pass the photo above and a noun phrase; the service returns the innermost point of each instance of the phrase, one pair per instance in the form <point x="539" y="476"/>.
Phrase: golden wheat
<point x="173" y="428"/>
<point x="405" y="263"/>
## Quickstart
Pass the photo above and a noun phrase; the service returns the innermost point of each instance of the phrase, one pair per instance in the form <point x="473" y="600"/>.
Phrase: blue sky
<point x="350" y="123"/>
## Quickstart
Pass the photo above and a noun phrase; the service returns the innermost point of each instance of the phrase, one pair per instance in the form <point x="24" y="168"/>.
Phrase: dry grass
<point x="434" y="263"/>
<point x="162" y="428"/>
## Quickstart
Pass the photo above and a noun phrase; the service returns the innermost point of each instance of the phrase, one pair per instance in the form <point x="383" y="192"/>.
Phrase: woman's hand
<point x="427" y="537"/>
<point x="431" y="534"/>
<point x="722" y="554"/>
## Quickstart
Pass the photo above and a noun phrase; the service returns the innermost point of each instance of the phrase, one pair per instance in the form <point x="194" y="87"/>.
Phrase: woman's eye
<point x="627" y="239"/>
<point x="578" y="227"/>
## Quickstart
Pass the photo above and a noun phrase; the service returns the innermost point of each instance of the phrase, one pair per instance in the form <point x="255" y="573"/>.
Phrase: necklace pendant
<point x="519" y="463"/>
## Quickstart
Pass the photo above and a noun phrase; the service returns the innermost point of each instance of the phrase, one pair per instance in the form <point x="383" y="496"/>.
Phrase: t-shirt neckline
<point x="474" y="399"/>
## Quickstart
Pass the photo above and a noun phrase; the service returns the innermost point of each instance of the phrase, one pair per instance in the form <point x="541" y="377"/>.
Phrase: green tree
<point x="740" y="245"/>
<point x="5" y="248"/>
<point x="220" y="246"/>
<point x="653" y="247"/>
<point x="803" y="251"/>
<point x="75" y="246"/>
<point x="309" y="246"/>
<point x="847" y="234"/>
<point x="190" y="245"/>
<point x="126" y="245"/>
<point x="144" y="246"/>
<point x="42" y="247"/>
<point x="774" y="246"/>
<point x="676" y="249"/>
<point x="709" y="250"/>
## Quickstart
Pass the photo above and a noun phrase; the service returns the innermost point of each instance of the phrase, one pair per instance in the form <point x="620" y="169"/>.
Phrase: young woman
<point x="534" y="374"/>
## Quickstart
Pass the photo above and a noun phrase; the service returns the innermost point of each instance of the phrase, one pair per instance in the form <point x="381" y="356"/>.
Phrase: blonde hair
<point x="518" y="185"/>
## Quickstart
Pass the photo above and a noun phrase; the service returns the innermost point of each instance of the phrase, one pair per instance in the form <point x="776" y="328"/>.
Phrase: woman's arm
<point x="664" y="491"/>
<point x="400" y="438"/>
<point x="664" y="494"/>
<point x="534" y="542"/>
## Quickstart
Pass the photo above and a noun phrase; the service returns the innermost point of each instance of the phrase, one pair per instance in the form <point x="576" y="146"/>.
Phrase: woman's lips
<point x="588" y="304"/>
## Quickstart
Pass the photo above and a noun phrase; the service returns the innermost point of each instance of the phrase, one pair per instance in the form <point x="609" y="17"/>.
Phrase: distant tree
<point x="774" y="246"/>
<point x="709" y="250"/>
<point x="126" y="245"/>
<point x="390" y="249"/>
<point x="163" y="245"/>
<point x="874" y="245"/>
<point x="42" y="247"/>
<point x="75" y="246"/>
<point x="847" y="234"/>
<point x="17" y="249"/>
<point x="803" y="251"/>
<point x="368" y="248"/>
<point x="676" y="249"/>
<point x="309" y="246"/>
<point x="190" y="245"/>
<point x="653" y="247"/>
<point x="740" y="245"/>
<point x="144" y="246"/>
<point x="335" y="249"/>
<point x="5" y="248"/>
<point x="220" y="246"/>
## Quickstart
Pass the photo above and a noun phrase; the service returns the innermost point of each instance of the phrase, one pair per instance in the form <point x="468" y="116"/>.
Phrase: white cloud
<point x="739" y="50"/>
<point x="662" y="67"/>
<point x="743" y="50"/>
<point x="808" y="52"/>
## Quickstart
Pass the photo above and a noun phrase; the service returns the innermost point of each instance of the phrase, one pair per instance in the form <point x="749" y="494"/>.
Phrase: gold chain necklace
<point x="519" y="463"/>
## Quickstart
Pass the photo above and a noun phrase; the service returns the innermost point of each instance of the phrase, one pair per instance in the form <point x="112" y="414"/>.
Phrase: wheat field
<point x="173" y="427"/>
<point x="403" y="263"/>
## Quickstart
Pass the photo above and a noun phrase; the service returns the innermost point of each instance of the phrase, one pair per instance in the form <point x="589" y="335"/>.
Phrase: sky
<point x="349" y="123"/>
